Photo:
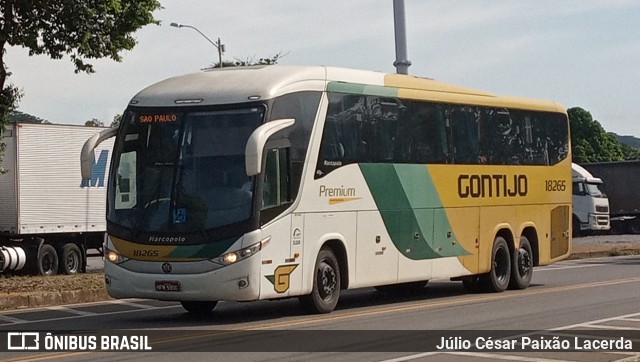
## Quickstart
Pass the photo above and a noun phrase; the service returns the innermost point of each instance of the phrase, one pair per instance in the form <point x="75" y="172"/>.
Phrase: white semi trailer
<point x="49" y="216"/>
<point x="590" y="204"/>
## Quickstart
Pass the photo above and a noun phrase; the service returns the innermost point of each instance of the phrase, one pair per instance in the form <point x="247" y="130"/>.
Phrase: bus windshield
<point x="182" y="171"/>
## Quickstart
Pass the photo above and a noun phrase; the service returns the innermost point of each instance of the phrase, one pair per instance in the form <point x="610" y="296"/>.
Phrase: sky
<point x="581" y="53"/>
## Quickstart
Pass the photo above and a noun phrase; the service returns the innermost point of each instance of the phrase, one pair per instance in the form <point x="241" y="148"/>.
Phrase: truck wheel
<point x="71" y="259"/>
<point x="635" y="226"/>
<point x="522" y="265"/>
<point x="576" y="227"/>
<point x="198" y="307"/>
<point x="497" y="280"/>
<point x="326" y="285"/>
<point x="47" y="260"/>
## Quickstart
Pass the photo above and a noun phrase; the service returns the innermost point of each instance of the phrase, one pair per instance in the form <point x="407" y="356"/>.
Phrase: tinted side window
<point x="367" y="128"/>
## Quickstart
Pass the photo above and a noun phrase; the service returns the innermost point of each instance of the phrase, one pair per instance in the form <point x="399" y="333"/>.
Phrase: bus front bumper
<point x="236" y="282"/>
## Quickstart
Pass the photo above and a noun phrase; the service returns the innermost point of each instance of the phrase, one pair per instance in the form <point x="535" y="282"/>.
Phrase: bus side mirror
<point x="255" y="145"/>
<point x="86" y="155"/>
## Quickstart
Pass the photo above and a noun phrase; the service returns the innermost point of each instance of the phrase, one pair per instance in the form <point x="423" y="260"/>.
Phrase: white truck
<point x="49" y="216"/>
<point x="590" y="204"/>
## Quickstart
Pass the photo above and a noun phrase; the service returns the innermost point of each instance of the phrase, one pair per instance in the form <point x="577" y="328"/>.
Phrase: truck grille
<point x="602" y="208"/>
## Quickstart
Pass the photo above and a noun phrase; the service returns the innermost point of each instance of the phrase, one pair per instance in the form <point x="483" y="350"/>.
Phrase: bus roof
<point x="242" y="84"/>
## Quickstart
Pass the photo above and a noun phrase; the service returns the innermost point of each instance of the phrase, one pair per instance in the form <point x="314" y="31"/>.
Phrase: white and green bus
<point x="302" y="181"/>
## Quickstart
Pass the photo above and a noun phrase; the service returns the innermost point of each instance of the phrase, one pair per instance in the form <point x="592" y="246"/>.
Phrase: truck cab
<point x="590" y="204"/>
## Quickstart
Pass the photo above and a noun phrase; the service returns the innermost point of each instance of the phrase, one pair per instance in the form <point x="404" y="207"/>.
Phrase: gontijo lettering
<point x="477" y="186"/>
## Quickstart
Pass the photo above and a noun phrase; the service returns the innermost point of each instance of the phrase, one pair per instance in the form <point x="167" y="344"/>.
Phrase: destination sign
<point x="157" y="118"/>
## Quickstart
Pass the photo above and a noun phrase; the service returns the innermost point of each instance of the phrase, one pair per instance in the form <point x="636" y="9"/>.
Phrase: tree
<point x="247" y="62"/>
<point x="589" y="141"/>
<point x="94" y="122"/>
<point x="116" y="121"/>
<point x="80" y="29"/>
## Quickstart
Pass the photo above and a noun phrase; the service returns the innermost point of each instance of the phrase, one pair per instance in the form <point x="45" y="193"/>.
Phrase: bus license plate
<point x="167" y="286"/>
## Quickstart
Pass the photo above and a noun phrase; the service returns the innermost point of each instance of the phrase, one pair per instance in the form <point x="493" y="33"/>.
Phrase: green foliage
<point x="17" y="116"/>
<point x="261" y="61"/>
<point x="247" y="62"/>
<point x="9" y="98"/>
<point x="94" y="122"/>
<point x="81" y="29"/>
<point x="591" y="143"/>
<point x="116" y="121"/>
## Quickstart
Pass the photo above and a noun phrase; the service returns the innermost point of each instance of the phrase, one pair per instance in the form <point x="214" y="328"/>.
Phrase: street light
<point x="217" y="44"/>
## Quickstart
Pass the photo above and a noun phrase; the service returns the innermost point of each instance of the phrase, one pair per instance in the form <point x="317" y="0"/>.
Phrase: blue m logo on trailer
<point x="98" y="171"/>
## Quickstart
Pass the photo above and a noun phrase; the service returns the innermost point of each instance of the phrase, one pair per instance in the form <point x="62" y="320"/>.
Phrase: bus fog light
<point x="243" y="283"/>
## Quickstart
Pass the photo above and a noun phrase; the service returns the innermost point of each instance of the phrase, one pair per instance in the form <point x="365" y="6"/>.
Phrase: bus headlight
<point x="238" y="255"/>
<point x="114" y="257"/>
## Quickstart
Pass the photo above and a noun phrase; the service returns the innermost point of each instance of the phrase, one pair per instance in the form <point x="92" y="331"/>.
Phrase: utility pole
<point x="402" y="63"/>
<point x="219" y="46"/>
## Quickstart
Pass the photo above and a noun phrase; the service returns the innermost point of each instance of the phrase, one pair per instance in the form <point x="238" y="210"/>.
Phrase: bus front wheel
<point x="198" y="307"/>
<point x="497" y="280"/>
<point x="326" y="284"/>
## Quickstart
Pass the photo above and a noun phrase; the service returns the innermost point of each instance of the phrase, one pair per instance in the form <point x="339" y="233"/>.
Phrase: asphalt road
<point x="608" y="238"/>
<point x="589" y="294"/>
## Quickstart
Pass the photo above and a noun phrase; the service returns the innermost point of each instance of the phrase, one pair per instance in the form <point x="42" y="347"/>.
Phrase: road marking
<point x="552" y="268"/>
<point x="474" y="354"/>
<point x="133" y="304"/>
<point x="10" y="319"/>
<point x="597" y="321"/>
<point x="567" y="329"/>
<point x="24" y="321"/>
<point x="66" y="309"/>
<point x="340" y="315"/>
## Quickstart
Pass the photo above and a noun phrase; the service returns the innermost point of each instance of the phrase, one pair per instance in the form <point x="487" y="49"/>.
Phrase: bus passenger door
<point x="282" y="274"/>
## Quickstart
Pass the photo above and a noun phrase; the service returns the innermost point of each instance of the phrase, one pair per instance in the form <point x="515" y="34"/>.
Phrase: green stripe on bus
<point x="374" y="90"/>
<point x="202" y="251"/>
<point x="408" y="203"/>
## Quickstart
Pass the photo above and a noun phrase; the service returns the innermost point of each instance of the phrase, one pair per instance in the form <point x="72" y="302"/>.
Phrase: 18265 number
<point x="555" y="185"/>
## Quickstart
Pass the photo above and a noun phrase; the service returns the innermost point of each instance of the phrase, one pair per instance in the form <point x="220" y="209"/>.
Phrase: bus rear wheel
<point x="522" y="265"/>
<point x="198" y="307"/>
<point x="326" y="284"/>
<point x="497" y="280"/>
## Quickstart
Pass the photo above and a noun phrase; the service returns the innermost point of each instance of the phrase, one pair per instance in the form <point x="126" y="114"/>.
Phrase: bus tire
<point x="198" y="307"/>
<point x="326" y="284"/>
<point x="522" y="265"/>
<point x="47" y="263"/>
<point x="497" y="280"/>
<point x="70" y="259"/>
